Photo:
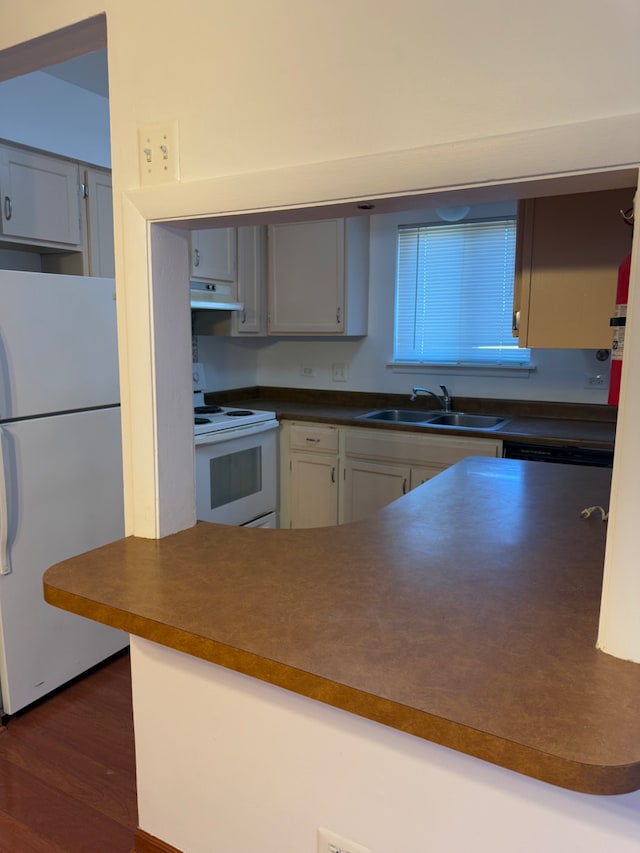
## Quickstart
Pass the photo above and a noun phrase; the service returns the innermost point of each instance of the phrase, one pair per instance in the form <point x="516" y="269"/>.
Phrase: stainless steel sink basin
<point x="462" y="420"/>
<point x="457" y="420"/>
<point x="398" y="416"/>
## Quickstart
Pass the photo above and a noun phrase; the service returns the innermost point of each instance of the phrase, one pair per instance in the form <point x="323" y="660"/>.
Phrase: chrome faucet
<point x="444" y="400"/>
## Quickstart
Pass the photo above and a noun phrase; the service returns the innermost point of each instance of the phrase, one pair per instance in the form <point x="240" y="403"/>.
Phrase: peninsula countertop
<point x="465" y="613"/>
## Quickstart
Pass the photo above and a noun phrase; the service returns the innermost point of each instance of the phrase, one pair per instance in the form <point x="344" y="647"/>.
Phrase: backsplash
<point x="559" y="376"/>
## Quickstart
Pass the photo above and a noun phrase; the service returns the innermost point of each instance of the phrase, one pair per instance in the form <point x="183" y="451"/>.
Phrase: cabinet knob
<point x="196" y="257"/>
<point x="333" y="474"/>
<point x="8" y="210"/>
<point x="515" y="323"/>
<point x="404" y="486"/>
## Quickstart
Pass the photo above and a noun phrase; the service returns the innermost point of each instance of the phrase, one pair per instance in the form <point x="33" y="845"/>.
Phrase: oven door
<point x="236" y="474"/>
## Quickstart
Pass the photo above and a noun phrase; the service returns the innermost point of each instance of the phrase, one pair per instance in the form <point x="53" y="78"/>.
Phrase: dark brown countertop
<point x="465" y="613"/>
<point x="534" y="422"/>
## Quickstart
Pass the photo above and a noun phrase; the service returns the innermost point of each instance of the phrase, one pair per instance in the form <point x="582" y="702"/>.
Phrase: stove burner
<point x="239" y="413"/>
<point x="201" y="420"/>
<point x="206" y="410"/>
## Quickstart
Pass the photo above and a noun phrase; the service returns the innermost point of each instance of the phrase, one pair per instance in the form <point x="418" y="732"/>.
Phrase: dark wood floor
<point x="67" y="772"/>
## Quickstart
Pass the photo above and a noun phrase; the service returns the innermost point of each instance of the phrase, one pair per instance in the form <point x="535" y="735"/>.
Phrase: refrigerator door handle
<point x="5" y="568"/>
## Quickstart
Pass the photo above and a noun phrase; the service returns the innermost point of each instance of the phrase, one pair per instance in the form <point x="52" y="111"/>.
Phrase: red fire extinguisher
<point x="619" y="320"/>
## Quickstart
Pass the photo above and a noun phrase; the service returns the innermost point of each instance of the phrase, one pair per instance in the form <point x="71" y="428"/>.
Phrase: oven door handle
<point x="235" y="432"/>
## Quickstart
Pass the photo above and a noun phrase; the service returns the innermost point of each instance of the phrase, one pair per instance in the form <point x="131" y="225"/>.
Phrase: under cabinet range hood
<point x="213" y="297"/>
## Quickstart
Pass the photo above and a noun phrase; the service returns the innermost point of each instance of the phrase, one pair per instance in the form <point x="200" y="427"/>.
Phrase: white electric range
<point x="236" y="464"/>
<point x="210" y="420"/>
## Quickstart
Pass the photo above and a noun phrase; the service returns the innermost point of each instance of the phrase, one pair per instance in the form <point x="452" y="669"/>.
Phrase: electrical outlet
<point x="596" y="381"/>
<point x="308" y="372"/>
<point x="197" y="371"/>
<point x="158" y="153"/>
<point x="331" y="842"/>
<point x="339" y="372"/>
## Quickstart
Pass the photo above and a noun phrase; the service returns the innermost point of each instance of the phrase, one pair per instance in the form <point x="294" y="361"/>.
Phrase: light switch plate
<point x="158" y="153"/>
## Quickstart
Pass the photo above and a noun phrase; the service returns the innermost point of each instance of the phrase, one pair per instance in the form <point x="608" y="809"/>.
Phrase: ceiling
<point x="88" y="71"/>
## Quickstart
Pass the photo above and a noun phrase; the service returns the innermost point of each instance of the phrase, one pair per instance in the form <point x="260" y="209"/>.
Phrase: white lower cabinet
<point x="423" y="473"/>
<point x="333" y="474"/>
<point x="368" y="486"/>
<point x="314" y="489"/>
<point x="310" y="475"/>
<point x="381" y="466"/>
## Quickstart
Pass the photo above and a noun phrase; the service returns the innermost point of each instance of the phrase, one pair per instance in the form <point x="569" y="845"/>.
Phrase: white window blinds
<point x="454" y="294"/>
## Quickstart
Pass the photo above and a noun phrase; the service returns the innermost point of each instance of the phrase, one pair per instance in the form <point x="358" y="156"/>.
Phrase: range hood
<point x="213" y="297"/>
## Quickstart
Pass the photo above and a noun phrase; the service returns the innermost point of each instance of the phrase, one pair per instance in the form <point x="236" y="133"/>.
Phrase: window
<point x="454" y="295"/>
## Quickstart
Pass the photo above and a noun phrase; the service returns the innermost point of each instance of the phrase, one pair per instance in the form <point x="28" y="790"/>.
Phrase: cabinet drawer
<point x="423" y="449"/>
<point x="314" y="438"/>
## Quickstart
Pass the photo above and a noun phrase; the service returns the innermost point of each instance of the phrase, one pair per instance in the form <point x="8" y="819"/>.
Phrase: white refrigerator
<point x="60" y="470"/>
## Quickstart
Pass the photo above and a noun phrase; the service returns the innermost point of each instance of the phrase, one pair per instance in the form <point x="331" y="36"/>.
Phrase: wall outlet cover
<point x="596" y="381"/>
<point x="331" y="842"/>
<point x="339" y="372"/>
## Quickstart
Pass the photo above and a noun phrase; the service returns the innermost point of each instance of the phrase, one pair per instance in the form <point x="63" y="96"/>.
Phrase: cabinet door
<point x="569" y="251"/>
<point x="214" y="254"/>
<point x="306" y="277"/>
<point x="422" y="474"/>
<point x="252" y="281"/>
<point x="313" y="490"/>
<point x="99" y="210"/>
<point x="368" y="486"/>
<point x="40" y="198"/>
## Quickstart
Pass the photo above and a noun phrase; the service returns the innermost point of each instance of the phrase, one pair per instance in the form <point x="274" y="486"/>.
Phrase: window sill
<point x="504" y="371"/>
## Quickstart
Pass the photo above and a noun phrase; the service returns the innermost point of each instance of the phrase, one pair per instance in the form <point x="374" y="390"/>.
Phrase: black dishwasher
<point x="559" y="453"/>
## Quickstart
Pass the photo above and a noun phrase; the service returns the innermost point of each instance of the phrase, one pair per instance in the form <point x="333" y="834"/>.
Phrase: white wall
<point x="260" y="85"/>
<point x="228" y="362"/>
<point x="45" y="112"/>
<point x="252" y="767"/>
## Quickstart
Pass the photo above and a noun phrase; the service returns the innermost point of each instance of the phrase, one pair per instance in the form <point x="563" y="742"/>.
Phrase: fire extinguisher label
<point x="617" y="346"/>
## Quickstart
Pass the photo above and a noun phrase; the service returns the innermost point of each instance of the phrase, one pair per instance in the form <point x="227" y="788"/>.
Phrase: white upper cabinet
<point x="214" y="255"/>
<point x="252" y="279"/>
<point x="40" y="199"/>
<point x="99" y="222"/>
<point x="318" y="277"/>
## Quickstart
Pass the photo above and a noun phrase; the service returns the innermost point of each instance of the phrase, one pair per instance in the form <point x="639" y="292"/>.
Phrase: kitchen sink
<point x="457" y="420"/>
<point x="398" y="416"/>
<point x="462" y="420"/>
